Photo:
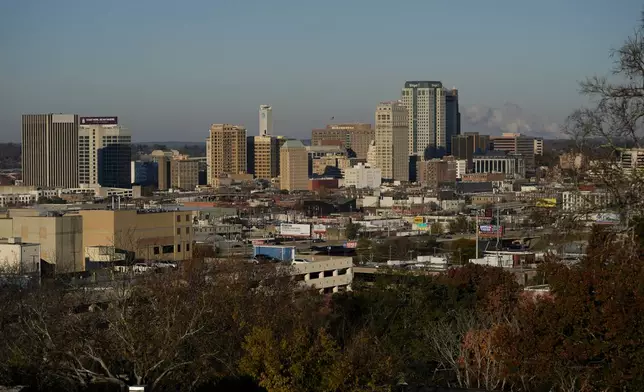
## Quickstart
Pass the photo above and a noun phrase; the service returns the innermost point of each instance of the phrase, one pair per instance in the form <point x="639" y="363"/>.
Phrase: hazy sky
<point x="170" y="68"/>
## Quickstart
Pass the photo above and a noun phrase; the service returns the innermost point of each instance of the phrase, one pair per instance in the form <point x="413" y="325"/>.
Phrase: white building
<point x="392" y="141"/>
<point x="362" y="176"/>
<point x="265" y="120"/>
<point x="461" y="167"/>
<point x="329" y="274"/>
<point x="372" y="157"/>
<point x="538" y="146"/>
<point x="631" y="159"/>
<point x="425" y="102"/>
<point x="17" y="257"/>
<point x="585" y="201"/>
<point x="95" y="133"/>
<point x="513" y="166"/>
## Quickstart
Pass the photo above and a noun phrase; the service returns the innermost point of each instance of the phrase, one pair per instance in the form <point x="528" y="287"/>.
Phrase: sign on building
<point x="490" y="231"/>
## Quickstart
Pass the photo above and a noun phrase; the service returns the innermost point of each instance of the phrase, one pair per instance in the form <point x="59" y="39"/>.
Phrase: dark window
<point x="314" y="275"/>
<point x="328" y="274"/>
<point x="178" y="231"/>
<point x="168" y="249"/>
<point x="187" y="218"/>
<point x="187" y="230"/>
<point x="156" y="250"/>
<point x="178" y="218"/>
<point x="342" y="271"/>
<point x="187" y="247"/>
<point x="178" y="247"/>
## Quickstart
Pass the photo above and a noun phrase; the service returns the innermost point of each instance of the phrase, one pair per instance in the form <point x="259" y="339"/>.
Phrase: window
<point x="156" y="250"/>
<point x="178" y="247"/>
<point x="328" y="274"/>
<point x="178" y="230"/>
<point x="314" y="275"/>
<point x="187" y="247"/>
<point x="168" y="249"/>
<point x="342" y="271"/>
<point x="178" y="218"/>
<point x="187" y="230"/>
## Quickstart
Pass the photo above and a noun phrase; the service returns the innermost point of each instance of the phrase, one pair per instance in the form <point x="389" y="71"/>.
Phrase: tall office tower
<point x="50" y="150"/>
<point x="265" y="120"/>
<point x="517" y="144"/>
<point x="250" y="155"/>
<point x="104" y="152"/>
<point x="392" y="141"/>
<point x="425" y="102"/>
<point x="452" y="117"/>
<point x="225" y="150"/>
<point x="294" y="173"/>
<point x="163" y="159"/>
<point x="466" y="145"/>
<point x="356" y="136"/>
<point x="266" y="157"/>
<point x="184" y="173"/>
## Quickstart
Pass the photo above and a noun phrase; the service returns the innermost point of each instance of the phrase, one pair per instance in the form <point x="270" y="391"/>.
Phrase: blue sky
<point x="170" y="68"/>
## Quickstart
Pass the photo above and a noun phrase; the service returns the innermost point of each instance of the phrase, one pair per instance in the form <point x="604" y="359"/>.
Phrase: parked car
<point x="301" y="261"/>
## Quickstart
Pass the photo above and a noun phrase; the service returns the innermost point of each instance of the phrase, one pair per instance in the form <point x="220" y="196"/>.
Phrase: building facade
<point x="434" y="172"/>
<point x="225" y="150"/>
<point x="148" y="234"/>
<point x="102" y="138"/>
<point x="144" y="173"/>
<point x="50" y="150"/>
<point x="516" y="143"/>
<point x="60" y="237"/>
<point x="356" y="136"/>
<point x="266" y="157"/>
<point x="392" y="141"/>
<point x="363" y="176"/>
<point x="452" y="118"/>
<point x="265" y="120"/>
<point x="466" y="145"/>
<point x="17" y="257"/>
<point x="511" y="165"/>
<point x="629" y="160"/>
<point x="294" y="172"/>
<point x="184" y="173"/>
<point x="425" y="102"/>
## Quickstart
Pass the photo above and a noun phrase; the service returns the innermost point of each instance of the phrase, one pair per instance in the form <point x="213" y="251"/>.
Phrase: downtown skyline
<point x="170" y="70"/>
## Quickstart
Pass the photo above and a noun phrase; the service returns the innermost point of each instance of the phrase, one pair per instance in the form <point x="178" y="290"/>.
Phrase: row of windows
<point x="165" y="249"/>
<point x="179" y="230"/>
<point x="187" y="218"/>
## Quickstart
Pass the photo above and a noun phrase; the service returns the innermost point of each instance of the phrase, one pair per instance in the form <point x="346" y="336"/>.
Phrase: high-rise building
<point x="362" y="176"/>
<point x="225" y="150"/>
<point x="163" y="159"/>
<point x="466" y="145"/>
<point x="434" y="172"/>
<point x="145" y="173"/>
<point x="265" y="120"/>
<point x="113" y="166"/>
<point x="250" y="155"/>
<point x="50" y="150"/>
<point x="392" y="141"/>
<point x="184" y="173"/>
<point x="452" y="117"/>
<point x="517" y="144"/>
<point x="425" y="102"/>
<point x="104" y="152"/>
<point x="294" y="174"/>
<point x="266" y="157"/>
<point x="356" y="136"/>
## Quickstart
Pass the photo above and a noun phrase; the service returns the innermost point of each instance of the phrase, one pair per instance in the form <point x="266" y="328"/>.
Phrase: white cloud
<point x="508" y="118"/>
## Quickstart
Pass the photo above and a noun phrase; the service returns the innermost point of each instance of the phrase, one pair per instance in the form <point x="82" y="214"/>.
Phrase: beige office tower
<point x="392" y="141"/>
<point x="266" y="157"/>
<point x="225" y="151"/>
<point x="294" y="166"/>
<point x="184" y="173"/>
<point x="355" y="136"/>
<point x="425" y="101"/>
<point x="50" y="150"/>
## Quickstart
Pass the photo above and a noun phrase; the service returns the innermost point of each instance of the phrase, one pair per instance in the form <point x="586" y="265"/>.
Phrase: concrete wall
<point x="145" y="234"/>
<point x="19" y="258"/>
<point x="60" y="239"/>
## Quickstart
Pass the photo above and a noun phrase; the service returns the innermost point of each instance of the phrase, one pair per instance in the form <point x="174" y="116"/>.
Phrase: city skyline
<point x="171" y="84"/>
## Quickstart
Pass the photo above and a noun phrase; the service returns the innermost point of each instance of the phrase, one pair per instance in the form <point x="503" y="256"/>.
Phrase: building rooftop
<point x="293" y="144"/>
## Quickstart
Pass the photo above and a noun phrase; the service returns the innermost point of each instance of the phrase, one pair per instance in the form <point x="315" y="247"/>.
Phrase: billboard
<point x="99" y="120"/>
<point x="351" y="244"/>
<point x="295" y="230"/>
<point x="547" y="203"/>
<point x="422" y="226"/>
<point x="418" y="219"/>
<point x="490" y="231"/>
<point x="319" y="228"/>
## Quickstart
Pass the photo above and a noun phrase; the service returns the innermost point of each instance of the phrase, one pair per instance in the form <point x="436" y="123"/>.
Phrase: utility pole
<point x="477" y="234"/>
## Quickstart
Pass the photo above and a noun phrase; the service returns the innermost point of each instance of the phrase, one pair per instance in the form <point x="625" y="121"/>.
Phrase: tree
<point x="460" y="225"/>
<point x="351" y="230"/>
